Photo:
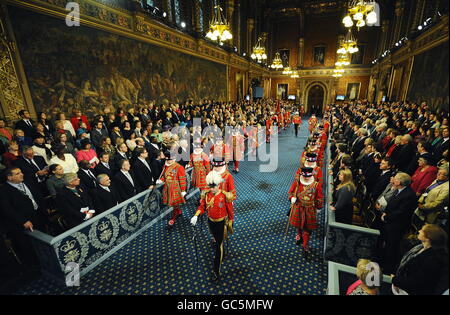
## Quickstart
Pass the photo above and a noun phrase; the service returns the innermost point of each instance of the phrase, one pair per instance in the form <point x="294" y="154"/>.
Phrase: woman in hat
<point x="306" y="198"/>
<point x="174" y="178"/>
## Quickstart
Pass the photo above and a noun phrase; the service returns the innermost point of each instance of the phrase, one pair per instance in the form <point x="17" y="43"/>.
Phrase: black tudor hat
<point x="217" y="162"/>
<point x="311" y="157"/>
<point x="169" y="155"/>
<point x="307" y="172"/>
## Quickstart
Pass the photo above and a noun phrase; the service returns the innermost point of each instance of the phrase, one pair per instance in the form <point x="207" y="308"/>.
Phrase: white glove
<point x="183" y="193"/>
<point x="194" y="220"/>
<point x="293" y="200"/>
<point x="158" y="182"/>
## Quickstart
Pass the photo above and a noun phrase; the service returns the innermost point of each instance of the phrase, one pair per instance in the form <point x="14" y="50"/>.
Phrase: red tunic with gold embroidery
<point x="309" y="198"/>
<point x="228" y="183"/>
<point x="312" y="123"/>
<point x="317" y="173"/>
<point x="297" y="120"/>
<point x="221" y="151"/>
<point x="200" y="162"/>
<point x="174" y="178"/>
<point x="218" y="206"/>
<point x="237" y="147"/>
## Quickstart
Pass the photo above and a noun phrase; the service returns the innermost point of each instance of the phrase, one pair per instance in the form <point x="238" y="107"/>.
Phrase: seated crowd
<point x="389" y="164"/>
<point x="59" y="172"/>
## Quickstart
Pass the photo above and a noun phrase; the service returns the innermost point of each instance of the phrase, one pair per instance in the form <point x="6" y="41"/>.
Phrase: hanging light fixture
<point x="363" y="12"/>
<point x="295" y="74"/>
<point x="348" y="44"/>
<point x="277" y="63"/>
<point x="259" y="51"/>
<point x="287" y="70"/>
<point x="219" y="30"/>
<point x="338" y="72"/>
<point x="343" y="60"/>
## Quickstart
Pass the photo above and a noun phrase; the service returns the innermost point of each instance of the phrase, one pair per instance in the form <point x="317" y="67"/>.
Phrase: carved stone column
<point x="399" y="9"/>
<point x="167" y="8"/>
<point x="229" y="17"/>
<point x="418" y="14"/>
<point x="250" y="27"/>
<point x="237" y="35"/>
<point x="14" y="91"/>
<point x="301" y="51"/>
<point x="196" y="15"/>
<point x="385" y="35"/>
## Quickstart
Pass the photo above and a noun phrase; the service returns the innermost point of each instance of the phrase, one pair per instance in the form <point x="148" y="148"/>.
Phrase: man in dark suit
<point x="397" y="219"/>
<point x="384" y="178"/>
<point x="74" y="202"/>
<point x="97" y="134"/>
<point x="122" y="154"/>
<point x="358" y="143"/>
<point x="33" y="167"/>
<point x="422" y="150"/>
<point x="406" y="153"/>
<point x="104" y="167"/>
<point x="105" y="195"/>
<point x="125" y="181"/>
<point x="142" y="170"/>
<point x="153" y="148"/>
<point x="443" y="145"/>
<point x="23" y="208"/>
<point x="87" y="177"/>
<point x="26" y="124"/>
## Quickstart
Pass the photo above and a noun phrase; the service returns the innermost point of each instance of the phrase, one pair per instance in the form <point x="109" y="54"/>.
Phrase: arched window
<point x="201" y="20"/>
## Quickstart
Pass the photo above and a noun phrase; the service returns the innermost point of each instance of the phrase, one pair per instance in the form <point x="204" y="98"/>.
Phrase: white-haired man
<point x="220" y="216"/>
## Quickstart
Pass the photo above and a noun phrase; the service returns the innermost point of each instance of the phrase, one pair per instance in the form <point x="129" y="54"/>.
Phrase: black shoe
<point x="215" y="277"/>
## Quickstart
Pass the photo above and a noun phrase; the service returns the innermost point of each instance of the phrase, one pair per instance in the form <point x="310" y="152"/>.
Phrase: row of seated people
<point x="395" y="189"/>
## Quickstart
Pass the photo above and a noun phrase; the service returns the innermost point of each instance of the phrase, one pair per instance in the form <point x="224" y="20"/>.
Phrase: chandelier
<point x="343" y="60"/>
<point x="338" y="72"/>
<point x="287" y="70"/>
<point x="259" y="51"/>
<point x="363" y="12"/>
<point x="218" y="27"/>
<point x="348" y="44"/>
<point x="277" y="63"/>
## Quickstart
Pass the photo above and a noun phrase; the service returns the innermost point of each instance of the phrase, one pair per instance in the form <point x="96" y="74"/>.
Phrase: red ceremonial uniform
<point x="253" y="140"/>
<point x="297" y="119"/>
<point x="228" y="183"/>
<point x="268" y="129"/>
<point x="237" y="147"/>
<point x="201" y="165"/>
<point x="312" y="123"/>
<point x="317" y="173"/>
<point x="280" y="121"/>
<point x="309" y="198"/>
<point x="218" y="206"/>
<point x="174" y="178"/>
<point x="221" y="151"/>
<point x="287" y="117"/>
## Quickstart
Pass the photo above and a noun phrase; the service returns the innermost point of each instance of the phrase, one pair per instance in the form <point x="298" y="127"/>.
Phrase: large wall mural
<point x="85" y="68"/>
<point x="429" y="78"/>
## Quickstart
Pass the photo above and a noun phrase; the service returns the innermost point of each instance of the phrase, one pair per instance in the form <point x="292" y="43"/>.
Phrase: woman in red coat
<point x="424" y="175"/>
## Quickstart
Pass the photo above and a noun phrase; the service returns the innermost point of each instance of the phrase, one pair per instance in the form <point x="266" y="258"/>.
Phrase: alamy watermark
<point x="73" y="17"/>
<point x="73" y="274"/>
<point x="373" y="278"/>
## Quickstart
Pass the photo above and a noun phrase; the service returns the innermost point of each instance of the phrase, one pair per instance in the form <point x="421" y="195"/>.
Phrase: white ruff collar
<point x="305" y="181"/>
<point x="222" y="170"/>
<point x="167" y="164"/>
<point x="310" y="164"/>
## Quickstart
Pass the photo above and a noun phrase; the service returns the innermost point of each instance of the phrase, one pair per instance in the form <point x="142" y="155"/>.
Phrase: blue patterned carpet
<point x="259" y="260"/>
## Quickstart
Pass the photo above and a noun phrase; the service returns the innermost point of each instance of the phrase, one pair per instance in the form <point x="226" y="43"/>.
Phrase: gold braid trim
<point x="228" y="195"/>
<point x="204" y="193"/>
